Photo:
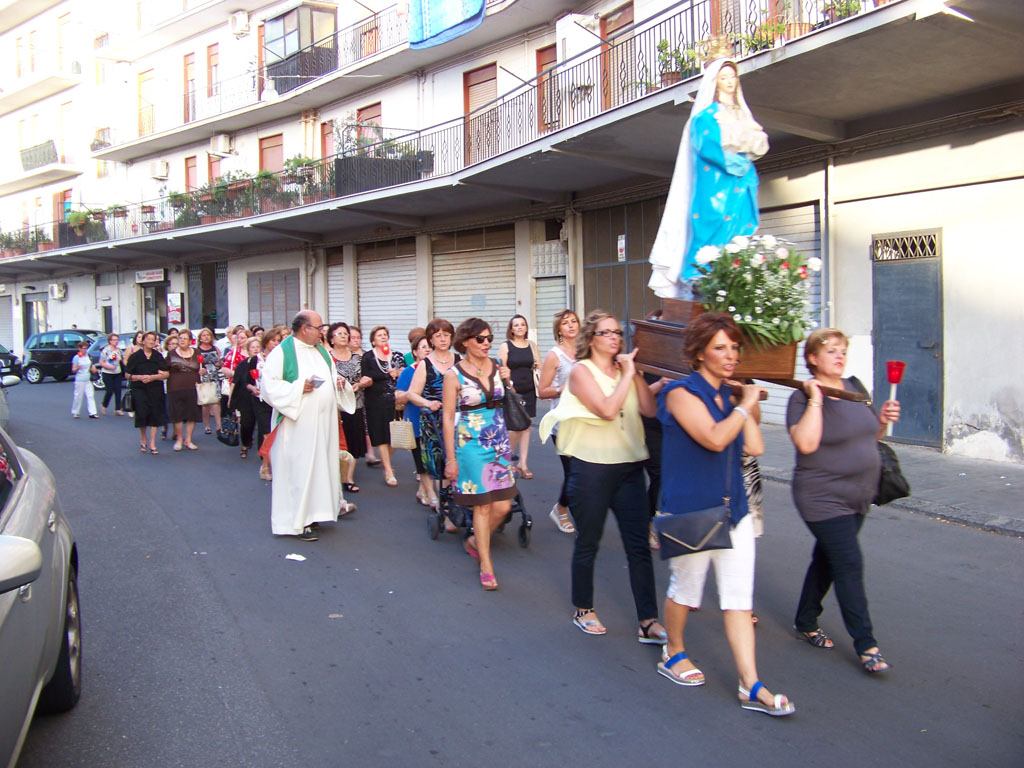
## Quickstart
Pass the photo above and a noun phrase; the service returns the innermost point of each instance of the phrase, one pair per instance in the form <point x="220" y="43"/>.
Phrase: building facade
<point x="244" y="160"/>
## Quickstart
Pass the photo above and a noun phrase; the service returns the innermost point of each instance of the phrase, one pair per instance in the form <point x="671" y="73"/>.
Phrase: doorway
<point x="906" y="279"/>
<point x="154" y="307"/>
<point x="33" y="312"/>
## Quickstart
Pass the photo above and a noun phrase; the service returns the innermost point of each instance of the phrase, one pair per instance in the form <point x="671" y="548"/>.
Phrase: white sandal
<point x="591" y="626"/>
<point x="680" y="678"/>
<point x="752" y="703"/>
<point x="562" y="521"/>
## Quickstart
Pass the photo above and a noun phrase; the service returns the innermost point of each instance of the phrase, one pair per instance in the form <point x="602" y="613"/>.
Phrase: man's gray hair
<point x="301" y="318"/>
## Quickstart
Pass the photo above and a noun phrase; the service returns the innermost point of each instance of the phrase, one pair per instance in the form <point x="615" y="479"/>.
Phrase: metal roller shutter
<point x="476" y="284"/>
<point x="6" y="322"/>
<point x="801" y="226"/>
<point x="387" y="296"/>
<point x="336" y="294"/>
<point x="549" y="297"/>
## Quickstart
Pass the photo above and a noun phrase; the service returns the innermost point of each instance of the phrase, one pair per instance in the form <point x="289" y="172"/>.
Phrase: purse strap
<point x="727" y="497"/>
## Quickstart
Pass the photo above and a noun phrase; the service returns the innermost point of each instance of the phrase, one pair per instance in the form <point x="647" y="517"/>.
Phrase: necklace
<point x="385" y="366"/>
<point x="439" y="361"/>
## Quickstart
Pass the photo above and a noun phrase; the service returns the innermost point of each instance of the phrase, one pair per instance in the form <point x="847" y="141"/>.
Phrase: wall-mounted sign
<point x="151" y="276"/>
<point x="175" y="314"/>
<point x="622" y="248"/>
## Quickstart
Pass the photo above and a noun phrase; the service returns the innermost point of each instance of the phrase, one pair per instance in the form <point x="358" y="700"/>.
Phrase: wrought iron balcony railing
<point x="39" y="155"/>
<point x="637" y="61"/>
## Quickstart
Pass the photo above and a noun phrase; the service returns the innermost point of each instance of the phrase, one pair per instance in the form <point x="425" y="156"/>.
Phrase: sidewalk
<point x="975" y="492"/>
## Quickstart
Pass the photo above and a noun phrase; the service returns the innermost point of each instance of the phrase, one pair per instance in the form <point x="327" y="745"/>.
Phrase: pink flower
<point x="785" y="265"/>
<point x="736" y="262"/>
<point x="803" y="273"/>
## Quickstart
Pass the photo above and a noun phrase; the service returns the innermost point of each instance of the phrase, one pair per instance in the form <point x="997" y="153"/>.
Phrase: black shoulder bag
<point x="700" y="530"/>
<point x="517" y="419"/>
<point x="892" y="484"/>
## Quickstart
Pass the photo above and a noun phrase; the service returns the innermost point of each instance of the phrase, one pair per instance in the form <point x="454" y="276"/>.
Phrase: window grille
<point x="900" y="246"/>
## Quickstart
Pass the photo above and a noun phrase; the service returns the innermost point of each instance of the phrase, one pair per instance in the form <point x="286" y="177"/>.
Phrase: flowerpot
<point x="99" y="215"/>
<point x="120" y="214"/>
<point x="797" y="29"/>
<point x="671" y="78"/>
<point x="147" y="209"/>
<point x="40" y="247"/>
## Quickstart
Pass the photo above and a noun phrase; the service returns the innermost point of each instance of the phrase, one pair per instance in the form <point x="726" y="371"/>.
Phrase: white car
<point x="40" y="627"/>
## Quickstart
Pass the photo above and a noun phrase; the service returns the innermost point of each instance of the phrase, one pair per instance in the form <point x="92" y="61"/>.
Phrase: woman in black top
<point x="147" y="370"/>
<point x="242" y="394"/>
<point x="381" y="366"/>
<point x="836" y="476"/>
<point x="521" y="357"/>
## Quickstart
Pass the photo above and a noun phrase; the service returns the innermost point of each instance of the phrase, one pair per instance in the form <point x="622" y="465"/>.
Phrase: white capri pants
<point x="734" y="572"/>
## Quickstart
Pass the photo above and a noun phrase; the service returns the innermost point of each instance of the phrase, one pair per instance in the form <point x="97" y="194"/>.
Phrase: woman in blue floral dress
<point x="477" y="446"/>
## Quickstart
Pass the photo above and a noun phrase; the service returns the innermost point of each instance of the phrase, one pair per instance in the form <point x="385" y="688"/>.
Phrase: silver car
<point x="40" y="627"/>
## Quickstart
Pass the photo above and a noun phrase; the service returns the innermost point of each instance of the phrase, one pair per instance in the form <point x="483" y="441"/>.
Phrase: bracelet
<point x="742" y="410"/>
<point x="812" y="404"/>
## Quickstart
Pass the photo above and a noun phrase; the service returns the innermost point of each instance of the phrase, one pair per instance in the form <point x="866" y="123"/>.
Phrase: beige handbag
<point x="402" y="435"/>
<point x="206" y="393"/>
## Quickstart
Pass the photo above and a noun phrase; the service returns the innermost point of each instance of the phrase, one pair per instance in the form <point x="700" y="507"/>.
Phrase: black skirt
<point x="380" y="412"/>
<point x="183" y="405"/>
<point x="150" y="405"/>
<point x="355" y="432"/>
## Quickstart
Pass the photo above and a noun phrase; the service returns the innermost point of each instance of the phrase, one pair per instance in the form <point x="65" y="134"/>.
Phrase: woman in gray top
<point x="836" y="476"/>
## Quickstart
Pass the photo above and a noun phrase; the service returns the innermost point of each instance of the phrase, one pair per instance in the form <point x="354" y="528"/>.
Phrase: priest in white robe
<point x="306" y="485"/>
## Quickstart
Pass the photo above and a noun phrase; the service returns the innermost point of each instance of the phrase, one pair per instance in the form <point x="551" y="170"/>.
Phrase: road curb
<point x="981" y="520"/>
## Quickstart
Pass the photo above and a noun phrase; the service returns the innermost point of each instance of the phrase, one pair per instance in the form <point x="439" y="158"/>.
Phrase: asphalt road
<point x="204" y="646"/>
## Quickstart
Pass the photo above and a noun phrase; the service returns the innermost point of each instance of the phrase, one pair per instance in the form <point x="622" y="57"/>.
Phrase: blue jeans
<point x="837" y="559"/>
<point x="112" y="385"/>
<point x="592" y="489"/>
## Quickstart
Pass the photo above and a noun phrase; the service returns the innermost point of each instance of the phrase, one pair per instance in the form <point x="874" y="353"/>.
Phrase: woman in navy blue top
<point x="705" y="434"/>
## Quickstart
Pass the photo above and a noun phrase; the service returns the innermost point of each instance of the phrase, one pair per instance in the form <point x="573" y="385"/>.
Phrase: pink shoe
<point x="488" y="582"/>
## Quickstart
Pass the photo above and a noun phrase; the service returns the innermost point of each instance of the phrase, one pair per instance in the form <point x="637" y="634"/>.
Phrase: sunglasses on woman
<point x="484" y="338"/>
<point x="617" y="332"/>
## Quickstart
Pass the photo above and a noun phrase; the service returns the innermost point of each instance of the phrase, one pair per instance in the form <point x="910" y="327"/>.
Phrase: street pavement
<point x="205" y="646"/>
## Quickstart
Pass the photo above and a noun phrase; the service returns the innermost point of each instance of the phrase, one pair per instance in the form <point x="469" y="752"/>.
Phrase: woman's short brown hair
<point x="587" y="331"/>
<point x="467" y="329"/>
<point x="508" y="331"/>
<point x="112" y="336"/>
<point x="559" y="317"/>
<point x="374" y="332"/>
<point x="702" y="329"/>
<point x="199" y="336"/>
<point x="437" y="325"/>
<point x="819" y="339"/>
<point x="274" y="334"/>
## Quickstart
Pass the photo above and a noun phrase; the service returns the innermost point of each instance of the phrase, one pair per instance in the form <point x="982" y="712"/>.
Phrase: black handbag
<point x="892" y="484"/>
<point x="228" y="432"/>
<point x="128" y="401"/>
<point x="517" y="418"/>
<point x="698" y="531"/>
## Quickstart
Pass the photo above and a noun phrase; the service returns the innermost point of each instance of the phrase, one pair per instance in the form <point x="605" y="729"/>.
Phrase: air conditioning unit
<point x="220" y="145"/>
<point x="58" y="291"/>
<point x="239" y="23"/>
<point x="159" y="170"/>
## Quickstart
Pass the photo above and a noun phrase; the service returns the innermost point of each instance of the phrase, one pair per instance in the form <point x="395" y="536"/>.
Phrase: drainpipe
<point x="830" y="242"/>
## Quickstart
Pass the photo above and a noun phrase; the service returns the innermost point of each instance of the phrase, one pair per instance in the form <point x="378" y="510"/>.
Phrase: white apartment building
<point x="242" y="160"/>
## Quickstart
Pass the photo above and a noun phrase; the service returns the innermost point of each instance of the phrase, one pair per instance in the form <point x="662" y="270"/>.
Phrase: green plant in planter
<point x="835" y="10"/>
<point x="118" y="211"/>
<point x="682" y="60"/>
<point x="178" y="200"/>
<point x="20" y="242"/>
<point x="187" y="218"/>
<point x="39" y="237"/>
<point x="95" y="231"/>
<point x="77" y="219"/>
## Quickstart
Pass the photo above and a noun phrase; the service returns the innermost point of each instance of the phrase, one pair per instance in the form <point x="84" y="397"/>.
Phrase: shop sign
<point x="174" y="309"/>
<point x="150" y="275"/>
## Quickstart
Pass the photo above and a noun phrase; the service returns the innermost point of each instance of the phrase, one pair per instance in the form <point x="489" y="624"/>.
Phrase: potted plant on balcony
<point x="298" y="169"/>
<point x="77" y="221"/>
<point x="118" y="211"/>
<point x="147" y="209"/>
<point x="835" y="10"/>
<point x="675" y="64"/>
<point x="19" y="243"/>
<point x="178" y="200"/>
<point x="40" y="240"/>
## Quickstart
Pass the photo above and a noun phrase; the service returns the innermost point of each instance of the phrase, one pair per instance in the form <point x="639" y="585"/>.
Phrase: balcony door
<point x="146" y="94"/>
<point x="547" y="89"/>
<point x="618" y="61"/>
<point x="190" y="87"/>
<point x="480" y="88"/>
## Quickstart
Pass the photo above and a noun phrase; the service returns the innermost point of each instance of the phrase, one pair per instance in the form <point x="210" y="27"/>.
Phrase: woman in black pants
<point x="244" y="384"/>
<point x="113" y="374"/>
<point x="599" y="429"/>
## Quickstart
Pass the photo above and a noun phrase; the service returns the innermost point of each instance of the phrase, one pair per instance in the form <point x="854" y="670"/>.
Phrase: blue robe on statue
<point x="724" y="202"/>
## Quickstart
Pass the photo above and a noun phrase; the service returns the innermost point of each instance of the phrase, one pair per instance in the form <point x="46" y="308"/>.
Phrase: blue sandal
<point x="665" y="669"/>
<point x="752" y="703"/>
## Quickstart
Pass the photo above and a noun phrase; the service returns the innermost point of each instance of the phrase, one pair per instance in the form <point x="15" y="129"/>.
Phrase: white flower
<point x="741" y="241"/>
<point x="721" y="293"/>
<point x="747" y="318"/>
<point x="732" y="309"/>
<point x="732" y="248"/>
<point x="707" y="254"/>
<point x="748" y="277"/>
<point x="737" y="317"/>
<point x="814" y="264"/>
<point x="769" y="241"/>
<point x="759" y="310"/>
<point x="782" y="253"/>
<point x="757" y="259"/>
<point x="775" y="320"/>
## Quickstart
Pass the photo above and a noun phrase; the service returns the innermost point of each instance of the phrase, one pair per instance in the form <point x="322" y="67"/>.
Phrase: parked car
<point x="49" y="353"/>
<point x="123" y="340"/>
<point x="40" y="625"/>
<point x="10" y="365"/>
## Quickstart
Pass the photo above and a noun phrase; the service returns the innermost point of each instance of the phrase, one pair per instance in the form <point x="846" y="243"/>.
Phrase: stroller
<point x="462" y="517"/>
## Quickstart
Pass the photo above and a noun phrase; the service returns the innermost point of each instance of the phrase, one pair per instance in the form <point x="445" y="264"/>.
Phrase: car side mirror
<point x="20" y="562"/>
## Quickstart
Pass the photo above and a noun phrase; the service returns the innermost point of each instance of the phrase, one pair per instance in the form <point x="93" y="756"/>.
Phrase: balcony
<point x="40" y="165"/>
<point x="34" y="86"/>
<point x="375" y="48"/>
<point x="606" y="120"/>
<point x="15" y="12"/>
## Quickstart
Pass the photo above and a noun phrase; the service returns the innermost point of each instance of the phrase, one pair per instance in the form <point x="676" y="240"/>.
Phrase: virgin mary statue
<point x="713" y="195"/>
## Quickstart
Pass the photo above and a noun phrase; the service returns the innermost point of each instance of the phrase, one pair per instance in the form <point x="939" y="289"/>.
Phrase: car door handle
<point x="25" y="593"/>
<point x="933" y="345"/>
<point x="51" y="522"/>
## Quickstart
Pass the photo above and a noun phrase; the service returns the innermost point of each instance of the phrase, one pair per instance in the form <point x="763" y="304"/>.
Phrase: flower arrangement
<point x="762" y="282"/>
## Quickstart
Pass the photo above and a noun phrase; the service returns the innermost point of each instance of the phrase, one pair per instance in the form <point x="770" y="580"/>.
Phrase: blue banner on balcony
<point x="435" y="22"/>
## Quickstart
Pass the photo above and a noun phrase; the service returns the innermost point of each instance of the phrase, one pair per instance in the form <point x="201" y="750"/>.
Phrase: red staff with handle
<point x="894" y="371"/>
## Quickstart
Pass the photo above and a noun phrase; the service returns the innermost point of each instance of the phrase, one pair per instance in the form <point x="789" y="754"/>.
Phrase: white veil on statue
<point x="673" y="237"/>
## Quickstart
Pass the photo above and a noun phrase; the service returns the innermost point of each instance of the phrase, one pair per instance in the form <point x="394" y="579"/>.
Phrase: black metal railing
<point x="637" y="61"/>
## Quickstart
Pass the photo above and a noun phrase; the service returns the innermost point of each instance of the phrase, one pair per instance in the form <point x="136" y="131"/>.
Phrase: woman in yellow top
<point x="599" y="429"/>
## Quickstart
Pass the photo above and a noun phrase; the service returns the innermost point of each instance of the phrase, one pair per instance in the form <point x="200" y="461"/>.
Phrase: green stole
<point x="290" y="369"/>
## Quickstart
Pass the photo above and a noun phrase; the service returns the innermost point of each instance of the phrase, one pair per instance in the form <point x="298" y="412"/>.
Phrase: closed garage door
<point x="476" y="284"/>
<point x="336" y="294"/>
<point x="387" y="296"/>
<point x="549" y="298"/>
<point x="801" y="226"/>
<point x="6" y="322"/>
